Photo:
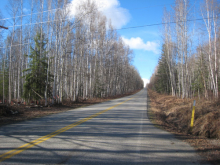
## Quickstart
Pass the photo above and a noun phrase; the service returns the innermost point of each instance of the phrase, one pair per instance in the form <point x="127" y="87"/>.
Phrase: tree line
<point x="190" y="56"/>
<point x="47" y="54"/>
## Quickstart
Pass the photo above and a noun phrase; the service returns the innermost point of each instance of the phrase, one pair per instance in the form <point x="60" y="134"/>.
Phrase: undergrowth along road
<point x="27" y="112"/>
<point x="174" y="115"/>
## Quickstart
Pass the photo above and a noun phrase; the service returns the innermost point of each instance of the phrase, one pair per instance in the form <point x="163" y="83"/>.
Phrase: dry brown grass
<point x="177" y="112"/>
<point x="174" y="115"/>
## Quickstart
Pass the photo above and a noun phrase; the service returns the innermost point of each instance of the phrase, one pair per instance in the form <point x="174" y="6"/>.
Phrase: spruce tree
<point x="162" y="85"/>
<point x="36" y="74"/>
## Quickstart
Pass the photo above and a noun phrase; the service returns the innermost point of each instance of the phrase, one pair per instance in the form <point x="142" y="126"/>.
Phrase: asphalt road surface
<point x="112" y="133"/>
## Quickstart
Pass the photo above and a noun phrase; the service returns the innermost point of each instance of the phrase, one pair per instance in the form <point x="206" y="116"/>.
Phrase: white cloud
<point x="25" y="10"/>
<point x="138" y="43"/>
<point x="110" y="8"/>
<point x="146" y="81"/>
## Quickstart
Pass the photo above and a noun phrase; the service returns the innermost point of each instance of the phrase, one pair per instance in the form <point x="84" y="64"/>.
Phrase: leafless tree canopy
<point x="189" y="64"/>
<point x="86" y="57"/>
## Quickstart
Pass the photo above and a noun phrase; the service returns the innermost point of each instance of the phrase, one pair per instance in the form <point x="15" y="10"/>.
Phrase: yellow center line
<point x="26" y="146"/>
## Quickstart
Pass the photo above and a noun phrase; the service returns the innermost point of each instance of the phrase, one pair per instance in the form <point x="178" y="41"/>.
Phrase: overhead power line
<point x="3" y="19"/>
<point x="156" y="24"/>
<point x="163" y="23"/>
<point x="132" y="27"/>
<point x="40" y="22"/>
<point x="153" y="6"/>
<point x="13" y="45"/>
<point x="61" y="9"/>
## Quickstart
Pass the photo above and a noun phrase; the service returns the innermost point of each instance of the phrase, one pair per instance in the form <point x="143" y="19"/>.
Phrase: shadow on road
<point x="122" y="135"/>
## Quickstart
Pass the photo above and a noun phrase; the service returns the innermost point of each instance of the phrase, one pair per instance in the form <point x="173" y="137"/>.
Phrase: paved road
<point x="121" y="134"/>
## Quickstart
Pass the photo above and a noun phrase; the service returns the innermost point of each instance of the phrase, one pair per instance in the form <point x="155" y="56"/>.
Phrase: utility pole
<point x="3" y="27"/>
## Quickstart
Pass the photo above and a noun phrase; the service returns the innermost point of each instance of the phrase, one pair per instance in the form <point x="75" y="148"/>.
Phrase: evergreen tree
<point x="162" y="85"/>
<point x="36" y="77"/>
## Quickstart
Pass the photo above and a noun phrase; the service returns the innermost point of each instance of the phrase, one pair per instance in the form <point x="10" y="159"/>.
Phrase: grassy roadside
<point x="23" y="112"/>
<point x="174" y="115"/>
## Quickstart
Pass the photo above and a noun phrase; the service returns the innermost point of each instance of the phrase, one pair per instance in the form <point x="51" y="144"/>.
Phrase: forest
<point x="47" y="54"/>
<point x="190" y="56"/>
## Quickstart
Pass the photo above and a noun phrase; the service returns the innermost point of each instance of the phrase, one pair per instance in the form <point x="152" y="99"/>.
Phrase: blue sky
<point x="144" y="12"/>
<point x="145" y="41"/>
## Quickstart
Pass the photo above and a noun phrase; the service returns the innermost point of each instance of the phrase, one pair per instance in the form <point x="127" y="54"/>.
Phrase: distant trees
<point x="186" y="69"/>
<point x="46" y="53"/>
